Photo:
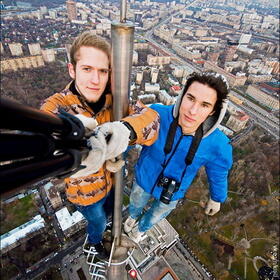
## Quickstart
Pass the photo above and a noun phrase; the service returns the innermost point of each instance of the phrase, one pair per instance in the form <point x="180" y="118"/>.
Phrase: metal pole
<point x="123" y="11"/>
<point x="122" y="48"/>
<point x="122" y="36"/>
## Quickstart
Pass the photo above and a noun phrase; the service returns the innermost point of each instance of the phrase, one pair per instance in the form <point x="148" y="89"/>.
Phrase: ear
<point x="71" y="70"/>
<point x="212" y="113"/>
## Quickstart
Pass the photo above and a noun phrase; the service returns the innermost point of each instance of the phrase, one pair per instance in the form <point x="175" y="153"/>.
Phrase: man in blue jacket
<point x="188" y="139"/>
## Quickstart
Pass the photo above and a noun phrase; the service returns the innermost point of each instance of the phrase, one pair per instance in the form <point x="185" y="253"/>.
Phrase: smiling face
<point x="197" y="104"/>
<point x="91" y="73"/>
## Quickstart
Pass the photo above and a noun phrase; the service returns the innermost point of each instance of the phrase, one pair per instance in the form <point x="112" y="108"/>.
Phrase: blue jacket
<point x="214" y="152"/>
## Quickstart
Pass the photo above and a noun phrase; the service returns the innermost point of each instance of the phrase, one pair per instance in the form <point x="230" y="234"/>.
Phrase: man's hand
<point x="212" y="207"/>
<point x="89" y="123"/>
<point x="96" y="157"/>
<point x="115" y="165"/>
<point x="107" y="142"/>
<point x="116" y="135"/>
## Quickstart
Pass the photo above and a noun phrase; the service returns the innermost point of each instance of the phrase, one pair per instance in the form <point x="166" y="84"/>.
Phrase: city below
<point x="43" y="236"/>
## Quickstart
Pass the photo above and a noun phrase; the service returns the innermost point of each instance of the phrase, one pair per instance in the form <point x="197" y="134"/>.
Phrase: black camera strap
<point x="194" y="145"/>
<point x="192" y="150"/>
<point x="170" y="136"/>
<point x="169" y="143"/>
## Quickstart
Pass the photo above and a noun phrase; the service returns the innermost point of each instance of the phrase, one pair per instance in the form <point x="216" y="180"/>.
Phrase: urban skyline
<point x="238" y="39"/>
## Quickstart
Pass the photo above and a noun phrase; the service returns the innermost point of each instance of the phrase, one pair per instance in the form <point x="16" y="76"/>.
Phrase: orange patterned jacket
<point x="145" y="121"/>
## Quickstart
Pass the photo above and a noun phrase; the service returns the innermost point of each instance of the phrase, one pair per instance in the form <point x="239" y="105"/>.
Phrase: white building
<point x="34" y="49"/>
<point x="69" y="223"/>
<point x="152" y="87"/>
<point x="154" y="75"/>
<point x="147" y="98"/>
<point x="245" y="39"/>
<point x="135" y="57"/>
<point x="10" y="239"/>
<point x="165" y="98"/>
<point x="48" y="55"/>
<point x="16" y="49"/>
<point x="139" y="77"/>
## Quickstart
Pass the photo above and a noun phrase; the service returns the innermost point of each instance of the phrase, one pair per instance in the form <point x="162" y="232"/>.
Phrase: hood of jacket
<point x="212" y="122"/>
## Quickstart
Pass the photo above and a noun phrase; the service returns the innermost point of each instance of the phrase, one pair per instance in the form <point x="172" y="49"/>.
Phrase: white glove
<point x="114" y="165"/>
<point x="212" y="207"/>
<point x="117" y="135"/>
<point x="89" y="123"/>
<point x="95" y="159"/>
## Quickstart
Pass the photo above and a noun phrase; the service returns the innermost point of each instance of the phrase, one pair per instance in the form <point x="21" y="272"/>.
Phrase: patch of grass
<point x="227" y="231"/>
<point x="17" y="213"/>
<point x="238" y="268"/>
<point x="125" y="199"/>
<point x="258" y="247"/>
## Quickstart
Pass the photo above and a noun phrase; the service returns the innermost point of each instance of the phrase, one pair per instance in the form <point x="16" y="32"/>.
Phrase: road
<point x="261" y="117"/>
<point x="264" y="119"/>
<point x="53" y="258"/>
<point x="149" y="37"/>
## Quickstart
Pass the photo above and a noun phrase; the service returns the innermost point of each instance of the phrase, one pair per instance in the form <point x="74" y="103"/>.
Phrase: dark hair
<point x="215" y="81"/>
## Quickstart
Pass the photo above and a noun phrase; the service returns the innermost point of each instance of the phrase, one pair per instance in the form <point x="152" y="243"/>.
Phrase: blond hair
<point x="88" y="39"/>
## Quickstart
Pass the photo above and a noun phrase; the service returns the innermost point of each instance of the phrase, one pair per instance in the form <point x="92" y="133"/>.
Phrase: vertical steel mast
<point x="122" y="35"/>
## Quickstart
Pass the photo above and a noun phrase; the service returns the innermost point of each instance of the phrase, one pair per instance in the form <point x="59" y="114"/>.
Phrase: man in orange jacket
<point x="88" y="97"/>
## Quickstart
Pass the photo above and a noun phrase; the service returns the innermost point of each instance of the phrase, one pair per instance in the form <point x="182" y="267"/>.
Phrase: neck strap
<point x="194" y="145"/>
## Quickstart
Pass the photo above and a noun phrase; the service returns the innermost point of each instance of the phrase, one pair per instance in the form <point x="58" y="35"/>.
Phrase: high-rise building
<point x="154" y="75"/>
<point x="135" y="57"/>
<point x="16" y="49"/>
<point x="245" y="39"/>
<point x="48" y="55"/>
<point x="274" y="63"/>
<point x="237" y="121"/>
<point x="71" y="10"/>
<point x="213" y="56"/>
<point x="230" y="52"/>
<point x="271" y="48"/>
<point x="34" y="49"/>
<point x="1" y="48"/>
<point x="43" y="10"/>
<point x="53" y="14"/>
<point x="138" y="16"/>
<point x="139" y="77"/>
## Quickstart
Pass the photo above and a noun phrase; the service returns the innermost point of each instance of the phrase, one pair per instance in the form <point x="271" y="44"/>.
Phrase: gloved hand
<point x="212" y="207"/>
<point x="114" y="165"/>
<point x="96" y="157"/>
<point x="89" y="123"/>
<point x="117" y="138"/>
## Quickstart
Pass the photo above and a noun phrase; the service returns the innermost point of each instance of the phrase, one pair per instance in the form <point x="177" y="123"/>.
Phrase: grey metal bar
<point x="122" y="36"/>
<point x="123" y="11"/>
<point x="122" y="49"/>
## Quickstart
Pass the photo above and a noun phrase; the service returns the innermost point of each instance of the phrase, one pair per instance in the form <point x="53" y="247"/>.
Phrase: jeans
<point x="158" y="210"/>
<point x="96" y="215"/>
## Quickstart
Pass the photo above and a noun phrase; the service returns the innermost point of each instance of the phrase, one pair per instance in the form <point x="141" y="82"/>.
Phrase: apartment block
<point x="237" y="121"/>
<point x="158" y="60"/>
<point x="16" y="49"/>
<point x="232" y="79"/>
<point x="264" y="96"/>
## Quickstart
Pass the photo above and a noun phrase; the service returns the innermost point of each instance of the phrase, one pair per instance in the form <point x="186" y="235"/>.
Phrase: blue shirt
<point x="214" y="152"/>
